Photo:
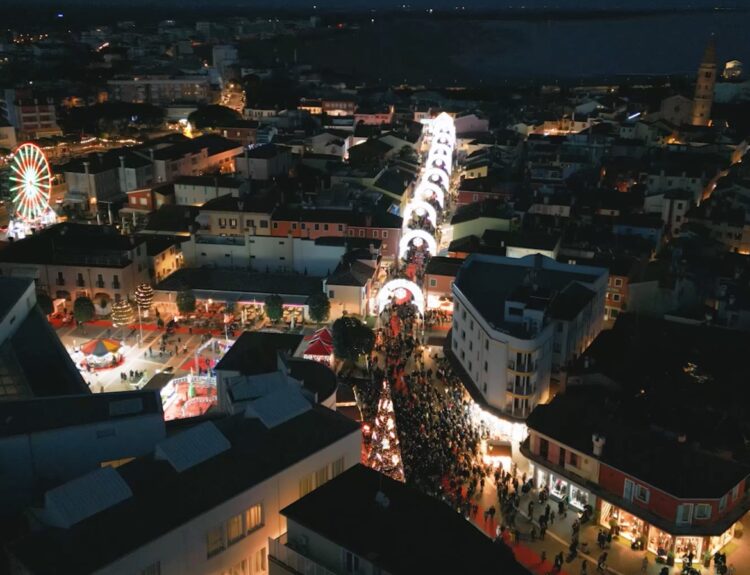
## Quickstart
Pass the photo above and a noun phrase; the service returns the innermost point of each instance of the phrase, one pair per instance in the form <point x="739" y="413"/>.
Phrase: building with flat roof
<point x="365" y="522"/>
<point x="71" y="260"/>
<point x="205" y="501"/>
<point x="33" y="361"/>
<point x="518" y="321"/>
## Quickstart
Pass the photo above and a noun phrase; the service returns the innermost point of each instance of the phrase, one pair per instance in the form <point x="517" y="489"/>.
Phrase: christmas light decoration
<point x="385" y="452"/>
<point x="30" y="182"/>
<point x="122" y="313"/>
<point x="144" y="297"/>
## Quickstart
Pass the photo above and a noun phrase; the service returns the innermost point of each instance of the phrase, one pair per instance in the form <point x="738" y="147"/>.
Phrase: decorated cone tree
<point x="122" y="313"/>
<point x="385" y="452"/>
<point x="144" y="297"/>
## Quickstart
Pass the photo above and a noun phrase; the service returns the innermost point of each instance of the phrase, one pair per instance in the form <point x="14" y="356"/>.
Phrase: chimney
<point x="598" y="444"/>
<point x="122" y="162"/>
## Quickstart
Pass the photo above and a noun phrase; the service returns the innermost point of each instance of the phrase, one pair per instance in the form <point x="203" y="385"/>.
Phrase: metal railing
<point x="280" y="550"/>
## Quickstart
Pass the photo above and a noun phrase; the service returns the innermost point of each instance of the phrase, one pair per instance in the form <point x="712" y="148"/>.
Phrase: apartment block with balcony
<point x="657" y="489"/>
<point x="161" y="90"/>
<point x="206" y="501"/>
<point x="516" y="321"/>
<point x="72" y="260"/>
<point x="365" y="523"/>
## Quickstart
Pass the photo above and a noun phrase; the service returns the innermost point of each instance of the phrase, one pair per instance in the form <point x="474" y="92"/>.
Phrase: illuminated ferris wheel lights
<point x="30" y="182"/>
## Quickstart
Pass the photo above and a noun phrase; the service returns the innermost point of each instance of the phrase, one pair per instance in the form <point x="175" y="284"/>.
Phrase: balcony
<point x="60" y="281"/>
<point x="80" y="283"/>
<point x="279" y="550"/>
<point x="100" y="284"/>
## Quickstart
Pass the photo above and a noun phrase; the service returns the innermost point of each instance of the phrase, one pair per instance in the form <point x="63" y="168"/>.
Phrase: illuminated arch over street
<point x="393" y="287"/>
<point x="445" y="140"/>
<point x="437" y="177"/>
<point x="418" y="237"/>
<point x="440" y="151"/>
<point x="440" y="164"/>
<point x="425" y="191"/>
<point x="420" y="207"/>
<point x="442" y="123"/>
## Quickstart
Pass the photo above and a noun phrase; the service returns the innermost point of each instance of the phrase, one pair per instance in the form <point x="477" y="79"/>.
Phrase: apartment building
<point x="72" y="260"/>
<point x="32" y="116"/>
<point x="655" y="489"/>
<point x="206" y="500"/>
<point x="161" y="90"/>
<point x="518" y="321"/>
<point x="197" y="190"/>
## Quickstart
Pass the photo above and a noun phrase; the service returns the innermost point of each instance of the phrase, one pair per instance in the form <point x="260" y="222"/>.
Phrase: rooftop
<point x="165" y="498"/>
<point x="240" y="283"/>
<point x="683" y="373"/>
<point x="256" y="352"/>
<point x="397" y="527"/>
<point x="635" y="444"/>
<point x="488" y="281"/>
<point x="73" y="244"/>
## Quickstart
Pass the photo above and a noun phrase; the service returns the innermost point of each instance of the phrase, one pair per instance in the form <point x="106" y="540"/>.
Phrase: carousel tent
<point x="100" y="347"/>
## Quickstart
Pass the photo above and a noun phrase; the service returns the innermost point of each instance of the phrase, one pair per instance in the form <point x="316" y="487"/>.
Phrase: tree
<point x="385" y="452"/>
<point x="83" y="309"/>
<point x="213" y="116"/>
<point x="144" y="297"/>
<point x="274" y="307"/>
<point x="45" y="303"/>
<point x="319" y="306"/>
<point x="186" y="301"/>
<point x="351" y="338"/>
<point x="122" y="313"/>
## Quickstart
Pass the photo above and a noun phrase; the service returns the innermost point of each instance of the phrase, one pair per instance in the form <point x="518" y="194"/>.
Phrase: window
<point x="294" y="225"/>
<point x="303" y="226"/>
<point x="331" y="294"/>
<point x="325" y="227"/>
<point x="361" y="233"/>
<point x="305" y="485"/>
<point x="337" y="467"/>
<point x="723" y="503"/>
<point x="618" y="282"/>
<point x="735" y="492"/>
<point x="375" y="233"/>
<point x="341" y="227"/>
<point x="233" y="223"/>
<point x="254" y="517"/>
<point x="222" y="222"/>
<point x="433" y="282"/>
<point x="485" y="366"/>
<point x="276" y="225"/>
<point x="249" y="223"/>
<point x="317" y="227"/>
<point x="260" y="560"/>
<point x="574" y="459"/>
<point x="321" y="476"/>
<point x="351" y="562"/>
<point x="543" y="447"/>
<point x="702" y="511"/>
<point x="264" y="223"/>
<point x="215" y="541"/>
<point x="615" y="297"/>
<point x="486" y="344"/>
<point x="234" y="529"/>
<point x="641" y="493"/>
<point x="685" y="513"/>
<point x="153" y="569"/>
<point x="385" y="234"/>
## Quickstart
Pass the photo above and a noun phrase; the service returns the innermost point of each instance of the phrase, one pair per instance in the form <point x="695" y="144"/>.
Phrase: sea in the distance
<point x="493" y="51"/>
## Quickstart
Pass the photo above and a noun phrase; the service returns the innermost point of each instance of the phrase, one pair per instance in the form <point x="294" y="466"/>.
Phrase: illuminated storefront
<point x="560" y="488"/>
<point x="627" y="525"/>
<point x="659" y="542"/>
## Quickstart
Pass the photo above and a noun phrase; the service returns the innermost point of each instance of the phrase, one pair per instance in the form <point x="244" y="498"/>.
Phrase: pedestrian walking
<point x="543" y="557"/>
<point x="584" y="567"/>
<point x="644" y="564"/>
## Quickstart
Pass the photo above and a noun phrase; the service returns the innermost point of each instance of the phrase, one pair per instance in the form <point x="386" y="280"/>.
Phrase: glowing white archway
<point x="438" y="177"/>
<point x="445" y="140"/>
<point x="440" y="164"/>
<point x="443" y="122"/>
<point x="426" y="189"/>
<point x="385" y="293"/>
<point x="417" y="206"/>
<point x="418" y="237"/>
<point x="440" y="151"/>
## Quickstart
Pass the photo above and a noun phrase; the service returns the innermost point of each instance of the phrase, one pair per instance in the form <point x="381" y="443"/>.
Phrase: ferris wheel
<point x="31" y="182"/>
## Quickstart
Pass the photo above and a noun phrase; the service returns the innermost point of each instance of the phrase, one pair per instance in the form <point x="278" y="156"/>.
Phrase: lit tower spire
<point x="704" y="86"/>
